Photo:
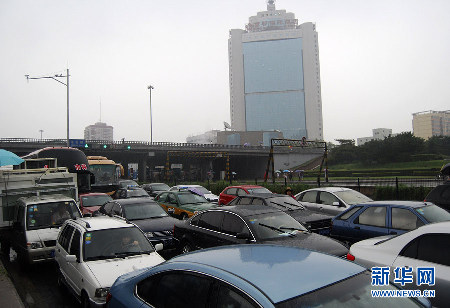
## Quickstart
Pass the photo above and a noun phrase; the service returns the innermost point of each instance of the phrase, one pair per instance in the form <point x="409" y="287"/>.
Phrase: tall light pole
<point x="41" y="131"/>
<point x="151" y="122"/>
<point x="67" y="86"/>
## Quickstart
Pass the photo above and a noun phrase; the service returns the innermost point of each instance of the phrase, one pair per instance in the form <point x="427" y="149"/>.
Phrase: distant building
<point x="274" y="75"/>
<point x="431" y="123"/>
<point x="254" y="138"/>
<point x="99" y="131"/>
<point x="377" y="134"/>
<point x="209" y="137"/>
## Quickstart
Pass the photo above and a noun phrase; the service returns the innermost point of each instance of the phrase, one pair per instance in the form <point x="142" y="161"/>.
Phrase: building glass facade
<point x="274" y="91"/>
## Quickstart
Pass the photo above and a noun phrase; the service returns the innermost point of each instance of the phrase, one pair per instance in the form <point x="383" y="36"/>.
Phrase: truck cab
<point x="36" y="225"/>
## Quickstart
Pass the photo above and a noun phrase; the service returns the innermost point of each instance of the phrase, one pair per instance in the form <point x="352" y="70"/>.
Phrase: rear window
<point x="433" y="213"/>
<point x="261" y="190"/>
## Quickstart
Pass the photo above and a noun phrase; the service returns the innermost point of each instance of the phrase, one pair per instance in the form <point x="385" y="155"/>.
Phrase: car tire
<point x="84" y="300"/>
<point x="184" y="216"/>
<point x="61" y="281"/>
<point x="186" y="247"/>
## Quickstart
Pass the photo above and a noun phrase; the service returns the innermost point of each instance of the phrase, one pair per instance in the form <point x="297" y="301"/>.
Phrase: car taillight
<point x="350" y="257"/>
<point x="108" y="297"/>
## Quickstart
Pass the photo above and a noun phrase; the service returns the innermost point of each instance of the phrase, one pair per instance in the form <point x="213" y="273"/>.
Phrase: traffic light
<point x="105" y="146"/>
<point x="129" y="147"/>
<point x="86" y="145"/>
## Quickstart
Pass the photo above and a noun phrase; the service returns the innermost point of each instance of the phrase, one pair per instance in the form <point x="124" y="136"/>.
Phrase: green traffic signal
<point x="86" y="145"/>
<point x="129" y="147"/>
<point x="105" y="146"/>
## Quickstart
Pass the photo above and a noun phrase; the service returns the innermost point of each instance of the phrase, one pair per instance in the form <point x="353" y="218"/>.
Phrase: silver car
<point x="330" y="200"/>
<point x="425" y="247"/>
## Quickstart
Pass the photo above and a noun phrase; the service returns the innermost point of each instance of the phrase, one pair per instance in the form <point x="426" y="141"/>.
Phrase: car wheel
<point x="187" y="247"/>
<point x="60" y="280"/>
<point x="84" y="300"/>
<point x="184" y="216"/>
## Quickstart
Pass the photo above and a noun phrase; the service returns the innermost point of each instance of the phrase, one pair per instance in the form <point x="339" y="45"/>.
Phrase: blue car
<point x="379" y="218"/>
<point x="252" y="276"/>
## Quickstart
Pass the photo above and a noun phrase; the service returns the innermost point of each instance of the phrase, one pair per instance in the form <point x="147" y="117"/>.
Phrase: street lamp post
<point x="41" y="131"/>
<point x="67" y="86"/>
<point x="151" y="121"/>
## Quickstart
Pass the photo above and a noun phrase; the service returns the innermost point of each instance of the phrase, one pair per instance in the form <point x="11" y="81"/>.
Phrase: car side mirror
<point x="336" y="203"/>
<point x="171" y="211"/>
<point x="71" y="258"/>
<point x="159" y="247"/>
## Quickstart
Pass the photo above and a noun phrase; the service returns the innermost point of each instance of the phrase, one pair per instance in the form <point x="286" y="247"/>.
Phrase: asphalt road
<point x="37" y="285"/>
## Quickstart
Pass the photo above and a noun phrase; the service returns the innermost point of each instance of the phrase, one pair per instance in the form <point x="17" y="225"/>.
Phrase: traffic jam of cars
<point x="183" y="246"/>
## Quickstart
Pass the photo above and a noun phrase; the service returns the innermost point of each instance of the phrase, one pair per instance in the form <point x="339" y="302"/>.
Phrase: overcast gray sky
<point x="381" y="61"/>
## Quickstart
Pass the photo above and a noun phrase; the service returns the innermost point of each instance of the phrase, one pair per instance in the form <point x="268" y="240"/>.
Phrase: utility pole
<point x="67" y="86"/>
<point x="151" y="122"/>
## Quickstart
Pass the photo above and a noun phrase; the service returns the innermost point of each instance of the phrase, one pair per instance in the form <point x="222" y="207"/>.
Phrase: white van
<point x="36" y="225"/>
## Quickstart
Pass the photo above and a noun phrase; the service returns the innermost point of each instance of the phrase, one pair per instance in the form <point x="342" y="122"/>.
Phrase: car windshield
<point x="143" y="211"/>
<point x="355" y="291"/>
<point x="260" y="190"/>
<point x="160" y="187"/>
<point x="51" y="214"/>
<point x="433" y="213"/>
<point x="202" y="190"/>
<point x="352" y="197"/>
<point x="104" y="174"/>
<point x="191" y="198"/>
<point x="135" y="193"/>
<point x="95" y="200"/>
<point x="274" y="225"/>
<point x="114" y="243"/>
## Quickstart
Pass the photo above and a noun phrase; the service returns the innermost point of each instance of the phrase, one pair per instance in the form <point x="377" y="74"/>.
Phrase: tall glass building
<point x="275" y="76"/>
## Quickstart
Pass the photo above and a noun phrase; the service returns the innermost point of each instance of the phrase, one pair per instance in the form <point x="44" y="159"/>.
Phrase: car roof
<point x="93" y="194"/>
<point x="245" y="186"/>
<point x="135" y="200"/>
<point x="101" y="223"/>
<point x="279" y="272"/>
<point x="413" y="204"/>
<point x="265" y="196"/>
<point x="46" y="199"/>
<point x="247" y="210"/>
<point x="329" y="189"/>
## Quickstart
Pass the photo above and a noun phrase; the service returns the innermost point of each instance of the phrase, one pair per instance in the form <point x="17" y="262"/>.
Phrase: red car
<point x="232" y="192"/>
<point x="91" y="202"/>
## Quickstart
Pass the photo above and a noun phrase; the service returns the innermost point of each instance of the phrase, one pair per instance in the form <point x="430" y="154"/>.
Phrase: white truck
<point x="33" y="205"/>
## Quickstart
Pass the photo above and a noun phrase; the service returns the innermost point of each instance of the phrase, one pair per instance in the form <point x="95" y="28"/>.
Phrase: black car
<point x="153" y="189"/>
<point x="316" y="222"/>
<point x="148" y="215"/>
<point x="243" y="224"/>
<point x="130" y="192"/>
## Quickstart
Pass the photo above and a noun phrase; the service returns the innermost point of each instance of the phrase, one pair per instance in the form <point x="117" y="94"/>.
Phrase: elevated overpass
<point x="248" y="162"/>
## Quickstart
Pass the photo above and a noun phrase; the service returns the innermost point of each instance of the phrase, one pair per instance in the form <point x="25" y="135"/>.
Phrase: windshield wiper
<point x="98" y="258"/>
<point x="127" y="254"/>
<point x="294" y="229"/>
<point x="275" y="229"/>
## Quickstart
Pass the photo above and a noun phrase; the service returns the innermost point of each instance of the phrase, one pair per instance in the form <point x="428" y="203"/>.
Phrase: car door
<point x="228" y="195"/>
<point x="432" y="251"/>
<point x="329" y="203"/>
<point x="370" y="222"/>
<point x="74" y="269"/>
<point x="403" y="220"/>
<point x="309" y="200"/>
<point x="208" y="231"/>
<point x="62" y="248"/>
<point x="235" y="230"/>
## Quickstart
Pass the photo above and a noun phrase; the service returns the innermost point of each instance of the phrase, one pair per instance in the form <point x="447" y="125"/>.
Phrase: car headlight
<point x="35" y="245"/>
<point x="101" y="292"/>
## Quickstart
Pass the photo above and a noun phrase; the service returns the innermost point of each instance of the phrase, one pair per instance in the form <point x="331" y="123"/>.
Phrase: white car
<point x="92" y="252"/>
<point x="198" y="189"/>
<point x="330" y="200"/>
<point x="427" y="246"/>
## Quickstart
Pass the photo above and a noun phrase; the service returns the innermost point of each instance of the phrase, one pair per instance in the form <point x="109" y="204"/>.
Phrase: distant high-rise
<point x="275" y="76"/>
<point x="431" y="123"/>
<point x="99" y="131"/>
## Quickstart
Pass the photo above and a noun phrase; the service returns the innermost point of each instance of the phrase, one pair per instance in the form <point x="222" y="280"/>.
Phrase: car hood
<point x="156" y="224"/>
<point x="90" y="209"/>
<point x="308" y="215"/>
<point x="47" y="234"/>
<point x="107" y="271"/>
<point x="312" y="241"/>
<point x="198" y="207"/>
